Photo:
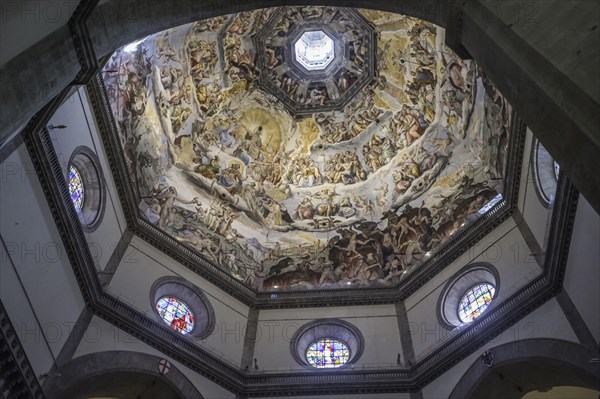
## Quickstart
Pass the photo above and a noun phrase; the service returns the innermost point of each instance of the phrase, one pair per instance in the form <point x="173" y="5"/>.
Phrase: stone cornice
<point x="18" y="378"/>
<point x="182" y="253"/>
<point x="82" y="41"/>
<point x="232" y="377"/>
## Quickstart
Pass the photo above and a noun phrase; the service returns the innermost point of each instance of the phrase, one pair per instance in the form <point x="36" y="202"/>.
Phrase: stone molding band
<point x="232" y="377"/>
<point x="182" y="253"/>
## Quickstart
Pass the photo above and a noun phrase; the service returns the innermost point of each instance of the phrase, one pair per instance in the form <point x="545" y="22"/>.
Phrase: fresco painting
<point x="353" y="197"/>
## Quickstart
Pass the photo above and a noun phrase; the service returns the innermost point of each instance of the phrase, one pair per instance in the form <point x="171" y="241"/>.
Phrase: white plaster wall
<point x="22" y="316"/>
<point x="143" y="265"/>
<point x="81" y="130"/>
<point x="378" y="324"/>
<point x="35" y="249"/>
<point x="540" y="23"/>
<point x="102" y="336"/>
<point x="24" y="23"/>
<point x="547" y="321"/>
<point x="582" y="277"/>
<point x="505" y="249"/>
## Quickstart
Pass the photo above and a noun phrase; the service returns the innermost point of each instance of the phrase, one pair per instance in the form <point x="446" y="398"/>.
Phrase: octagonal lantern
<point x="315" y="59"/>
<point x="314" y="50"/>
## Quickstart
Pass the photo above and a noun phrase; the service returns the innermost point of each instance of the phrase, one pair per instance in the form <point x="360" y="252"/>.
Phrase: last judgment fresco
<point x="329" y="198"/>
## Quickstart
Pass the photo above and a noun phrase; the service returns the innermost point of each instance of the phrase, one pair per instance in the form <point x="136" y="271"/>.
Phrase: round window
<point x="468" y="294"/>
<point x="327" y="353"/>
<point x="86" y="187"/>
<point x="546" y="172"/>
<point x="326" y="344"/>
<point x="475" y="301"/>
<point x="176" y="314"/>
<point x="182" y="306"/>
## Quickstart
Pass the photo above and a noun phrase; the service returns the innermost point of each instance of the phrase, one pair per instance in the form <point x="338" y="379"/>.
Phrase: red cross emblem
<point x="164" y="366"/>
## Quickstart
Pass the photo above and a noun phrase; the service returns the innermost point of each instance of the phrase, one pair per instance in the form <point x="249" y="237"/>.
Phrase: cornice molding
<point x="182" y="253"/>
<point x="18" y="378"/>
<point x="82" y="41"/>
<point x="231" y="376"/>
<point x="250" y="384"/>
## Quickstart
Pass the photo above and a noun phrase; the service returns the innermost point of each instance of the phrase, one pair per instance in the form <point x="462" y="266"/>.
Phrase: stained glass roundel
<point x="176" y="314"/>
<point x="76" y="188"/>
<point x="327" y="353"/>
<point x="475" y="301"/>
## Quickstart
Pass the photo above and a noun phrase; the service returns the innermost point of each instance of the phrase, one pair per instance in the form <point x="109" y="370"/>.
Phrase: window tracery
<point x="475" y="301"/>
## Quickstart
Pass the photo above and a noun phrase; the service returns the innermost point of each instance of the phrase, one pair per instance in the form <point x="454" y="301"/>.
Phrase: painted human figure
<point x="231" y="178"/>
<point x="317" y="96"/>
<point x="249" y="193"/>
<point x="275" y="213"/>
<point x="393" y="269"/>
<point x="328" y="274"/>
<point x="227" y="138"/>
<point x="256" y="277"/>
<point x="230" y="261"/>
<point x="165" y="199"/>
<point x="305" y="209"/>
<point x="253" y="143"/>
<point x="344" y="81"/>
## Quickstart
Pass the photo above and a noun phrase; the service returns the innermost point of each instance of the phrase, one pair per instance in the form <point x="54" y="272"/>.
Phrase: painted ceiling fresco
<point x="352" y="197"/>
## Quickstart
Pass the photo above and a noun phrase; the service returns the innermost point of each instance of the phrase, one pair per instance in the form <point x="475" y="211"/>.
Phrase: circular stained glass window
<point x="327" y="353"/>
<point x="176" y="314"/>
<point x="76" y="188"/>
<point x="475" y="301"/>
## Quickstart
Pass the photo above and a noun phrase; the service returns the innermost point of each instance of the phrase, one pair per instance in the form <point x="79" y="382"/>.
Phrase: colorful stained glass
<point x="76" y="188"/>
<point x="327" y="353"/>
<point x="475" y="302"/>
<point x="176" y="314"/>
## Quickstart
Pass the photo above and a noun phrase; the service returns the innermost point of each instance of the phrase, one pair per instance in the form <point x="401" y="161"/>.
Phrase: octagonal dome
<point x="314" y="50"/>
<point x="229" y="160"/>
